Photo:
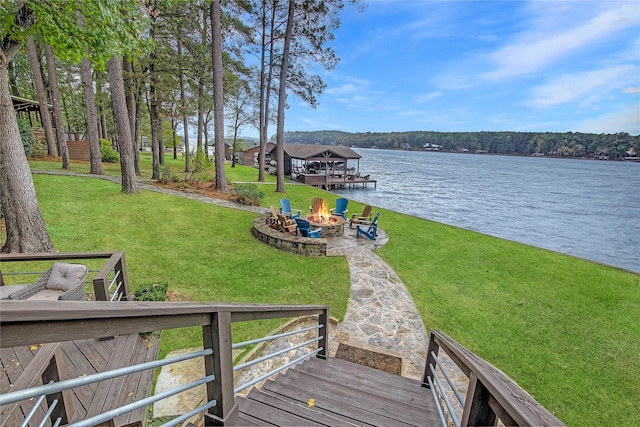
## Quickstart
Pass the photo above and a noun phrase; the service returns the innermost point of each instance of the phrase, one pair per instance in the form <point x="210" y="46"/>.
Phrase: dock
<point x="330" y="182"/>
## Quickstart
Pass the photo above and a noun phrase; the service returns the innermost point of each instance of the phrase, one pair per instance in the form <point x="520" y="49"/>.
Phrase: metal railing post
<point x="323" y="319"/>
<point x="217" y="336"/>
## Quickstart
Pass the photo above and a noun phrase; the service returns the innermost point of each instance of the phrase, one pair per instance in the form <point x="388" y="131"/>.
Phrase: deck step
<point x="302" y="409"/>
<point x="344" y="394"/>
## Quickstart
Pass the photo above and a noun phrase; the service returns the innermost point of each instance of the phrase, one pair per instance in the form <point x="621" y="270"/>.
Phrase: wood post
<point x="217" y="336"/>
<point x="323" y="319"/>
<point x="52" y="373"/>
<point x="477" y="411"/>
<point x="100" y="289"/>
<point x="122" y="267"/>
<point x="433" y="348"/>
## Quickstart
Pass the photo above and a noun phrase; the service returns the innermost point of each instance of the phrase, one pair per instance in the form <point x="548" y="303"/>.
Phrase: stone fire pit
<point x="333" y="228"/>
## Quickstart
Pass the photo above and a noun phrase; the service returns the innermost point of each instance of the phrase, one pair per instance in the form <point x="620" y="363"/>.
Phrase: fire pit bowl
<point x="333" y="226"/>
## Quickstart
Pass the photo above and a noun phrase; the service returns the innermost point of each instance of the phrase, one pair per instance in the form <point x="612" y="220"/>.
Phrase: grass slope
<point x="565" y="329"/>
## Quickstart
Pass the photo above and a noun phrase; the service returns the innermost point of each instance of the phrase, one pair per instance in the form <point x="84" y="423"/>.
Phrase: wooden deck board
<point x="108" y="389"/>
<point x="315" y="414"/>
<point x="398" y="388"/>
<point x="139" y="383"/>
<point x="346" y="393"/>
<point x="84" y="357"/>
<point x="337" y="408"/>
<point x="273" y="415"/>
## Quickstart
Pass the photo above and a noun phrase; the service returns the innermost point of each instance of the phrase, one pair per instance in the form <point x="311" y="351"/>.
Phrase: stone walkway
<point x="381" y="315"/>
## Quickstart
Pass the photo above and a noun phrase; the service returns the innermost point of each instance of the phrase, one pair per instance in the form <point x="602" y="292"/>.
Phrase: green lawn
<point x="565" y="329"/>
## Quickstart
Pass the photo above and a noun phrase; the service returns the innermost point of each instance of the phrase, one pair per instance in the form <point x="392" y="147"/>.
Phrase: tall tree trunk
<point x="174" y="137"/>
<point x="45" y="114"/>
<point x="218" y="95"/>
<point x="13" y="80"/>
<point x="282" y="94"/>
<point x="153" y="111"/>
<point x="101" y="108"/>
<point x="57" y="109"/>
<point x="185" y="123"/>
<point x="26" y="231"/>
<point x="92" y="117"/>
<point x="136" y="131"/>
<point x="262" y="91"/>
<point x="129" y="85"/>
<point x="265" y="134"/>
<point x="161" y="145"/>
<point x="123" y="127"/>
<point x="200" y="116"/>
<point x="153" y="115"/>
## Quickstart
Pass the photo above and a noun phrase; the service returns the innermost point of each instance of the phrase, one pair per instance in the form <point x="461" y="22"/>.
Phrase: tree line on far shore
<point x="571" y="144"/>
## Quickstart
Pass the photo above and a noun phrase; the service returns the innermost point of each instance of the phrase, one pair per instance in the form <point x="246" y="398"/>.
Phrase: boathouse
<point x="322" y="165"/>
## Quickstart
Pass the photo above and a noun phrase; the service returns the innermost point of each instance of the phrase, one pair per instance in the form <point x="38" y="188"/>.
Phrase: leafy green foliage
<point x="111" y="27"/>
<point x="108" y="154"/>
<point x="28" y="141"/>
<point x="167" y="175"/>
<point x="549" y="143"/>
<point x="151" y="292"/>
<point x="248" y="194"/>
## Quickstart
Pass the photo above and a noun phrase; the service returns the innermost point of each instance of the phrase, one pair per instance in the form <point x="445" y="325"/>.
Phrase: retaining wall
<point x="297" y="244"/>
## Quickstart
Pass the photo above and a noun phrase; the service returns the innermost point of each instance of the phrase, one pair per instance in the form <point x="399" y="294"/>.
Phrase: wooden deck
<point x="86" y="357"/>
<point x="343" y="394"/>
<point x="331" y="182"/>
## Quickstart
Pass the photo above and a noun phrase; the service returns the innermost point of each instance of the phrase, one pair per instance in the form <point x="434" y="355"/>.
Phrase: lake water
<point x="586" y="208"/>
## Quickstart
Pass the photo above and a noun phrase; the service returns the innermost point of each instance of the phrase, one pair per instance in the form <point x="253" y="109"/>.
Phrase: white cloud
<point x="421" y="99"/>
<point x="585" y="87"/>
<point x="543" y="45"/>
<point x="626" y="120"/>
<point x="632" y="90"/>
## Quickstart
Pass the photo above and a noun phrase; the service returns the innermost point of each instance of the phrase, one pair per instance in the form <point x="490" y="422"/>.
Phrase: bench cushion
<point x="47" y="295"/>
<point x="66" y="276"/>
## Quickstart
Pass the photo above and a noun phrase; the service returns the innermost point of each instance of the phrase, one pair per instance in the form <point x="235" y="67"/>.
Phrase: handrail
<point x="41" y="321"/>
<point x="491" y="394"/>
<point x="24" y="322"/>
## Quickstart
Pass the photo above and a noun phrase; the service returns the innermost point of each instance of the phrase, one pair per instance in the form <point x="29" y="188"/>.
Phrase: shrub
<point x="199" y="161"/>
<point x="151" y="292"/>
<point x="28" y="141"/>
<point x="108" y="154"/>
<point x="167" y="175"/>
<point x="248" y="194"/>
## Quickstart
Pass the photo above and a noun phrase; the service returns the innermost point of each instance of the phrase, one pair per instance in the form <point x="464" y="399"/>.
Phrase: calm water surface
<point x="585" y="208"/>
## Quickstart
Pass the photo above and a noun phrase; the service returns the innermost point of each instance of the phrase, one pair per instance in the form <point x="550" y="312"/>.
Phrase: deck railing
<point x="109" y="284"/>
<point x="491" y="396"/>
<point x="25" y="322"/>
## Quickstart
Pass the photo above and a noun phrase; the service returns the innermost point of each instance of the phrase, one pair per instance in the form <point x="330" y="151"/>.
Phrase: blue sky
<point x="481" y="65"/>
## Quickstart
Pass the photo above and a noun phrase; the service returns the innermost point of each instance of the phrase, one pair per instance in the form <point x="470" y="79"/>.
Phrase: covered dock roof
<point x="321" y="153"/>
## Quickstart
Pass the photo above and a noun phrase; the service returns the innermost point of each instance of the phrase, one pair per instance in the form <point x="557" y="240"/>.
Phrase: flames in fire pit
<point x="321" y="213"/>
<point x="330" y="225"/>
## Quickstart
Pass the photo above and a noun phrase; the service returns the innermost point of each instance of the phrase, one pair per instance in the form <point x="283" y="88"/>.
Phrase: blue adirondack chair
<point x="305" y="228"/>
<point x="369" y="230"/>
<point x="341" y="208"/>
<point x="286" y="209"/>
